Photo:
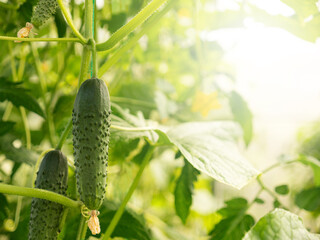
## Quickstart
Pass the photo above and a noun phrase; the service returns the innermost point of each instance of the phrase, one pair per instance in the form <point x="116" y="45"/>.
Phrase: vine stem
<point x="126" y="199"/>
<point x="16" y="78"/>
<point x="70" y="22"/>
<point x="263" y="187"/>
<point x="133" y="40"/>
<point x="39" y="193"/>
<point x="43" y="85"/>
<point x="82" y="229"/>
<point x="132" y="129"/>
<point x="40" y="39"/>
<point x="143" y="15"/>
<point x="64" y="135"/>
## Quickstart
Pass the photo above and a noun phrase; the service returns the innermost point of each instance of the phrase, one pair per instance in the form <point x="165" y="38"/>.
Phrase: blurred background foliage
<point x="173" y="74"/>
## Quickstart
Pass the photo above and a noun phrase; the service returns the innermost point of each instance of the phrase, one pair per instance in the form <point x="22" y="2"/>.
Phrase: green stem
<point x="94" y="60"/>
<point x="63" y="218"/>
<point x="40" y="39"/>
<point x="70" y="22"/>
<point x="263" y="187"/>
<point x="64" y="135"/>
<point x="278" y="164"/>
<point x="26" y="127"/>
<point x="39" y="193"/>
<point x="7" y="112"/>
<point x="88" y="19"/>
<point x="16" y="77"/>
<point x="133" y="40"/>
<point x="132" y="129"/>
<point x="85" y="63"/>
<point x="43" y="85"/>
<point x="82" y="229"/>
<point x="126" y="199"/>
<point x="124" y="31"/>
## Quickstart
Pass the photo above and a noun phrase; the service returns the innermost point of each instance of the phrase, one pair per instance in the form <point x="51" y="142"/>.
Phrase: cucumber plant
<point x="163" y="108"/>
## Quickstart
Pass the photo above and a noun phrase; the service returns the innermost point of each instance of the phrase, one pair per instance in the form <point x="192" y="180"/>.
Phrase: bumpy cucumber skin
<point x="45" y="215"/>
<point x="43" y="11"/>
<point x="91" y="123"/>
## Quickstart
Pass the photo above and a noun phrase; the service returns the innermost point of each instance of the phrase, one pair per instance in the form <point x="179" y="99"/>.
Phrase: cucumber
<point x="43" y="11"/>
<point x="91" y="123"/>
<point x="45" y="215"/>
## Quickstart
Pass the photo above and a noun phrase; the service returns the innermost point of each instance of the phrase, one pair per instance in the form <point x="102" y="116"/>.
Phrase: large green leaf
<point x="308" y="199"/>
<point x="242" y="115"/>
<point x="20" y="97"/>
<point x="280" y="225"/>
<point x="183" y="190"/>
<point x="235" y="222"/>
<point x="211" y="147"/>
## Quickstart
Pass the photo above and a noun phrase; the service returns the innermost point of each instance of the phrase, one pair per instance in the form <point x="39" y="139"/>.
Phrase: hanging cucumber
<point x="45" y="215"/>
<point x="91" y="123"/>
<point x="43" y="11"/>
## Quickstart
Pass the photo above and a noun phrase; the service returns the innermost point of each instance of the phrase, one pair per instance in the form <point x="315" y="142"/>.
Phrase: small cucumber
<point x="43" y="11"/>
<point x="45" y="215"/>
<point x="91" y="123"/>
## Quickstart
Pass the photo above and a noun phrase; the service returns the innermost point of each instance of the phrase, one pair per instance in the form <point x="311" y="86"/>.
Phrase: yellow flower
<point x="203" y="103"/>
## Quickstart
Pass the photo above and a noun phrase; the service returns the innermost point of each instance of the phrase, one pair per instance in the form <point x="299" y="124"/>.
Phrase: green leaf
<point x="282" y="189"/>
<point x="211" y="148"/>
<point x="259" y="201"/>
<point x="19" y="155"/>
<point x="314" y="164"/>
<point x="242" y="115"/>
<point x="303" y="8"/>
<point x="276" y="203"/>
<point x="280" y="225"/>
<point x="5" y="127"/>
<point x="308" y="199"/>
<point x="116" y="21"/>
<point x="183" y="190"/>
<point x="130" y="226"/>
<point x="235" y="222"/>
<point x="20" y="97"/>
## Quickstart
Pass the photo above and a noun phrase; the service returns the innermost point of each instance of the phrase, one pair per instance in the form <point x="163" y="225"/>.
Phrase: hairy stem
<point x="124" y="31"/>
<point x="40" y="39"/>
<point x="39" y="193"/>
<point x="68" y="18"/>
<point x="126" y="199"/>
